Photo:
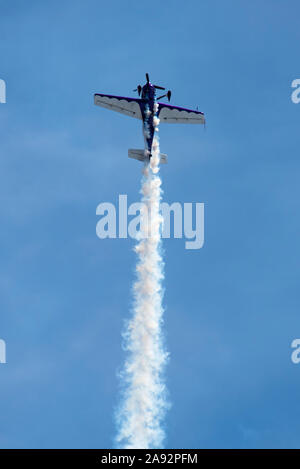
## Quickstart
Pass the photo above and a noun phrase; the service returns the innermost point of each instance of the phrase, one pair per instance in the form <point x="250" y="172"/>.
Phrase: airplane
<point x="151" y="112"/>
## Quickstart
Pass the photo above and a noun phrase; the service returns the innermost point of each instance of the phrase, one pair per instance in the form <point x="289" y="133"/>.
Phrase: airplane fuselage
<point x="149" y="113"/>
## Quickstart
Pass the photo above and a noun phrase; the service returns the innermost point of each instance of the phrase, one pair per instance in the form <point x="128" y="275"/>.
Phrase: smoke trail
<point x="144" y="404"/>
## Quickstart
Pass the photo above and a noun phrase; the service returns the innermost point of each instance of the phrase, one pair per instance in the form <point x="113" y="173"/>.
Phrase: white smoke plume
<point x="144" y="402"/>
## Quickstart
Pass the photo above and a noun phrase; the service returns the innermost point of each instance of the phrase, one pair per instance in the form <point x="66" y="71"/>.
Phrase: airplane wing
<point x="179" y="115"/>
<point x="127" y="106"/>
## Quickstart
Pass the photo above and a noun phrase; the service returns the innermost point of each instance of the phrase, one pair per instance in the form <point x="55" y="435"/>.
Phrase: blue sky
<point x="232" y="308"/>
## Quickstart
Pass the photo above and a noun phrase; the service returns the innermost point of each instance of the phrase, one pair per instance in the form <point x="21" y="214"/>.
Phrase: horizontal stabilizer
<point x="137" y="154"/>
<point x="140" y="155"/>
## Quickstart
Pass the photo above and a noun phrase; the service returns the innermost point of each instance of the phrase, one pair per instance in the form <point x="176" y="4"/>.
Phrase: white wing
<point x="179" y="115"/>
<point x="128" y="106"/>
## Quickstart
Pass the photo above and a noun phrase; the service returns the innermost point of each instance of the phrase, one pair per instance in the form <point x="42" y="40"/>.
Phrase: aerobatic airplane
<point x="147" y="109"/>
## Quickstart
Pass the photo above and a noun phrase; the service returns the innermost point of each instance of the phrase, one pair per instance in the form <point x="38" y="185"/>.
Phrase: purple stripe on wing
<point x="117" y="97"/>
<point x="169" y="106"/>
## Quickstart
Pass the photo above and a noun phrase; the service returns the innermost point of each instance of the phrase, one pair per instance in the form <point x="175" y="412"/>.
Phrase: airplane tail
<point x="140" y="155"/>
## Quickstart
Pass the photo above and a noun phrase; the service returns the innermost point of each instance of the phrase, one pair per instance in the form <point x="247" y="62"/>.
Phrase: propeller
<point x="168" y="95"/>
<point x="138" y="89"/>
<point x="155" y="86"/>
